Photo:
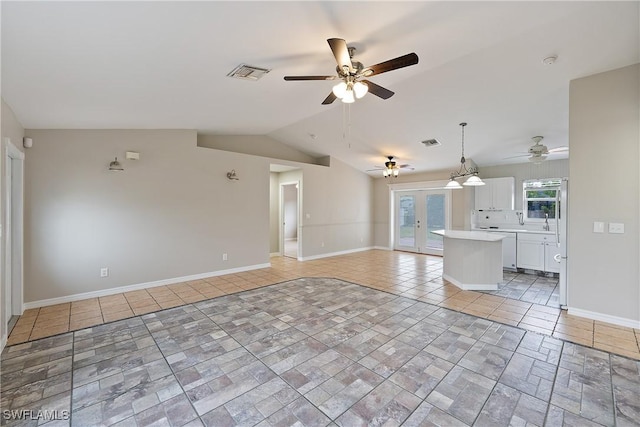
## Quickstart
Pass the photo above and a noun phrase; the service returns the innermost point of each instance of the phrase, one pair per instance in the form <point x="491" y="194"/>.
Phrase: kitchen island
<point x="472" y="260"/>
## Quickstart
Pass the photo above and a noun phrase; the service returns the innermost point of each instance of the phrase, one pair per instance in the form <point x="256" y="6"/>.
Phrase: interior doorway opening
<point x="289" y="238"/>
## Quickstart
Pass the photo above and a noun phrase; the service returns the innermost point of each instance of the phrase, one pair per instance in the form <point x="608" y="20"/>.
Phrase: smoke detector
<point x="550" y="60"/>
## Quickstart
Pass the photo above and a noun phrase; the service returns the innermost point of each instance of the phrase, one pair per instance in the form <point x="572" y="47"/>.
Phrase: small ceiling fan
<point x="538" y="152"/>
<point x="390" y="168"/>
<point x="353" y="74"/>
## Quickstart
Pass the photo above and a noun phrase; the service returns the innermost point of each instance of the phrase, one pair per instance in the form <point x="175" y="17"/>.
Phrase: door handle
<point x="556" y="257"/>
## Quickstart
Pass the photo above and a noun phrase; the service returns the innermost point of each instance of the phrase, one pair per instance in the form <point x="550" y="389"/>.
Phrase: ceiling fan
<point x="353" y="74"/>
<point x="391" y="168"/>
<point x="538" y="152"/>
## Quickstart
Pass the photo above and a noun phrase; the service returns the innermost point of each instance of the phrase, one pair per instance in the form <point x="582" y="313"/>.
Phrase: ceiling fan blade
<point x="559" y="150"/>
<point x="378" y="90"/>
<point x="341" y="53"/>
<point x="329" y="99"/>
<point x="519" y="155"/>
<point x="392" y="64"/>
<point x="299" y="78"/>
<point x="406" y="166"/>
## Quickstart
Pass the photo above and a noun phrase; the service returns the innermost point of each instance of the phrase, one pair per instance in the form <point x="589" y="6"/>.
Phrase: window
<point x="540" y="198"/>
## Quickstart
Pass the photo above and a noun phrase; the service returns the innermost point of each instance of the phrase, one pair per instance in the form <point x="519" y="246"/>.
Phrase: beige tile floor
<point x="411" y="275"/>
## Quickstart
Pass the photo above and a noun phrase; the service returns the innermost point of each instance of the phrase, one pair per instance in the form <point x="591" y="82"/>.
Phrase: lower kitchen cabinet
<point x="509" y="251"/>
<point x="537" y="251"/>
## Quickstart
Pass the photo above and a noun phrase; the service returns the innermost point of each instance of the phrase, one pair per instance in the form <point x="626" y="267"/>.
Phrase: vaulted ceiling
<point x="102" y="65"/>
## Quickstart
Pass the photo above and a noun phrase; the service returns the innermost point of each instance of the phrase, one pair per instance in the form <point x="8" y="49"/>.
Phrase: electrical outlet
<point x="104" y="272"/>
<point x="225" y="257"/>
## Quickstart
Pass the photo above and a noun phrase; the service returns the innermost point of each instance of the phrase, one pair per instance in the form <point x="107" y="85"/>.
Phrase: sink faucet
<point x="545" y="227"/>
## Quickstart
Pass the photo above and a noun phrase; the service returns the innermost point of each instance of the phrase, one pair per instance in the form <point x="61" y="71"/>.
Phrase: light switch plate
<point x="598" y="227"/>
<point x="616" y="228"/>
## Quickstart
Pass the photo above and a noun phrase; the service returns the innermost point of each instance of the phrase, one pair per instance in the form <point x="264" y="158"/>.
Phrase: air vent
<point x="431" y="142"/>
<point x="248" y="72"/>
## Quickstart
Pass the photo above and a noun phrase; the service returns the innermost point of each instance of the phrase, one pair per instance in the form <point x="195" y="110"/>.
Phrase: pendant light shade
<point x="453" y="185"/>
<point x="473" y="180"/>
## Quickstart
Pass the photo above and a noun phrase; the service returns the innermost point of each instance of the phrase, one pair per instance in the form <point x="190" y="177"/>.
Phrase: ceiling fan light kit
<point x="352" y="73"/>
<point x="390" y="168"/>
<point x="472" y="173"/>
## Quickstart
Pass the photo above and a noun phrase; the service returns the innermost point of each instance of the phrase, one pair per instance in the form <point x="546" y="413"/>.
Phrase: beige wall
<point x="173" y="213"/>
<point x="336" y="210"/>
<point x="11" y="129"/>
<point x="257" y="145"/>
<point x="604" y="184"/>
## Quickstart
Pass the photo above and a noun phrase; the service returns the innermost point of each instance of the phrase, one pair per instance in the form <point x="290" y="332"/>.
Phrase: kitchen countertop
<point x="512" y="230"/>
<point x="482" y="236"/>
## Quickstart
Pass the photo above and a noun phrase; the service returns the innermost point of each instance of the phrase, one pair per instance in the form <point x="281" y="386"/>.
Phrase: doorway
<point x="417" y="213"/>
<point x="13" y="205"/>
<point x="289" y="208"/>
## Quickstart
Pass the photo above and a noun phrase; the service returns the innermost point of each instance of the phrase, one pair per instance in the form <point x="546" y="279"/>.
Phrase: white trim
<point x="139" y="286"/>
<point x="621" y="321"/>
<point x="13" y="236"/>
<point x="274" y="254"/>
<point x="470" y="286"/>
<point x="383" y="248"/>
<point x="421" y="185"/>
<point x="3" y="342"/>
<point x="330" y="254"/>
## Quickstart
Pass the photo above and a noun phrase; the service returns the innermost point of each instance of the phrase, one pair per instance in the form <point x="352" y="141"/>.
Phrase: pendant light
<point x="472" y="173"/>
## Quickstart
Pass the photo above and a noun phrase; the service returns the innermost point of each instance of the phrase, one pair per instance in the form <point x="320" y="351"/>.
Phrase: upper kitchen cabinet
<point x="497" y="194"/>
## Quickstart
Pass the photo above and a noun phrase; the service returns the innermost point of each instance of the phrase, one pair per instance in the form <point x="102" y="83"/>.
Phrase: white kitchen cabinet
<point x="531" y="251"/>
<point x="497" y="194"/>
<point x="537" y="251"/>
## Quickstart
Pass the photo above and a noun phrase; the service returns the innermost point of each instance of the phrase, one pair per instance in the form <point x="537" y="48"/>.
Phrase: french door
<point x="417" y="213"/>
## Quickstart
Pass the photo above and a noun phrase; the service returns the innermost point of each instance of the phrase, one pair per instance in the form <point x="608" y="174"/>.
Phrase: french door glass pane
<point x="435" y="220"/>
<point x="407" y="221"/>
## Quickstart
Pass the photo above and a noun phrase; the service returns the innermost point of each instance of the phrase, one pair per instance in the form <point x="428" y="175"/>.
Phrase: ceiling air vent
<point x="248" y="72"/>
<point x="431" y="142"/>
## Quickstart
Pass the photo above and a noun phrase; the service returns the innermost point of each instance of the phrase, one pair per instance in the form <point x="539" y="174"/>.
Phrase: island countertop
<point x="483" y="236"/>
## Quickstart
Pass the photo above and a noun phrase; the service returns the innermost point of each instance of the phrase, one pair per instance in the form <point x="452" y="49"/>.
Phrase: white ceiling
<point x="102" y="65"/>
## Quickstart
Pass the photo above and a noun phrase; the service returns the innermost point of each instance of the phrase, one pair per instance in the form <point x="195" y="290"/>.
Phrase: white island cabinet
<point x="472" y="260"/>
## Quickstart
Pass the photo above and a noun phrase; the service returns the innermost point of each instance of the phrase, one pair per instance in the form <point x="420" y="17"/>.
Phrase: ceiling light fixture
<point x="349" y="90"/>
<point x="390" y="168"/>
<point x="472" y="173"/>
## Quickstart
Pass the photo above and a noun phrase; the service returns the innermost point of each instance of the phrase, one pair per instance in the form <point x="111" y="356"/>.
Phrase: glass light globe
<point x="348" y="97"/>
<point x="360" y="89"/>
<point x="340" y="89"/>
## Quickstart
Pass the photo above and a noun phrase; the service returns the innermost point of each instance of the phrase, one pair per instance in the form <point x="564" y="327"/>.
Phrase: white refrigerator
<point x="562" y="225"/>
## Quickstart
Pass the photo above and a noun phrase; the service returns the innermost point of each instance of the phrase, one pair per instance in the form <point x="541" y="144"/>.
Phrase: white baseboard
<point x="383" y="248"/>
<point x="3" y="342"/>
<point x="620" y="321"/>
<point x="330" y="254"/>
<point x="139" y="286"/>
<point x="273" y="254"/>
<point x="470" y="286"/>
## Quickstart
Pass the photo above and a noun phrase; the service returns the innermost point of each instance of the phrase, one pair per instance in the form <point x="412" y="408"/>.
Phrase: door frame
<point x="281" y="237"/>
<point x="414" y="186"/>
<point x="14" y="227"/>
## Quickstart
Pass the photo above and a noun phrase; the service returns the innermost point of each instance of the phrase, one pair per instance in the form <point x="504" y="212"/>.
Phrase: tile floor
<point x="317" y="352"/>
<point x="526" y="301"/>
